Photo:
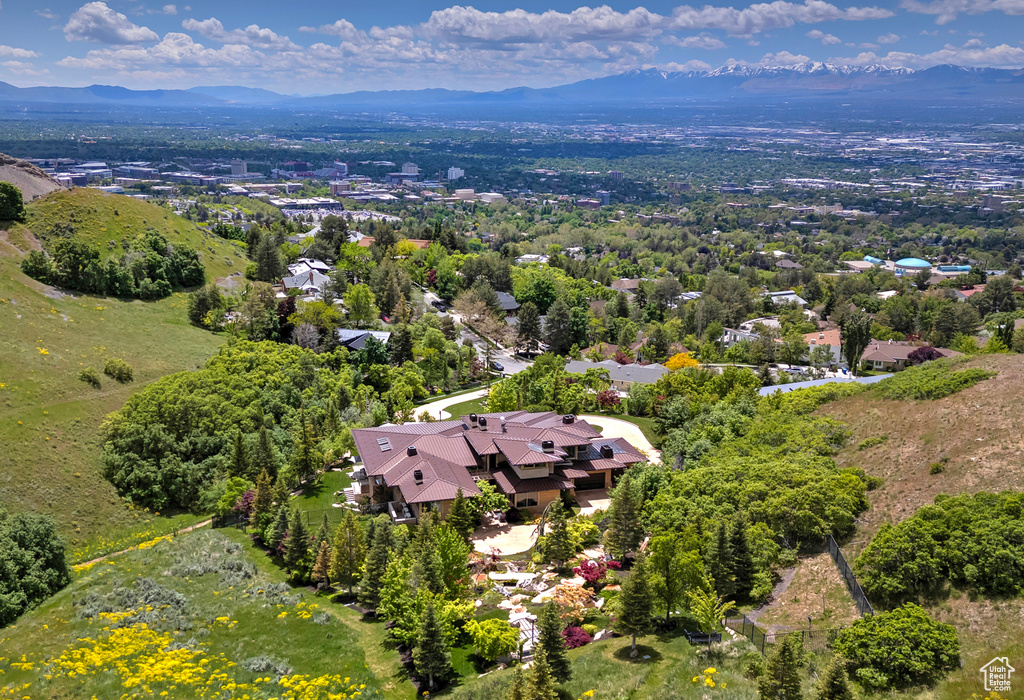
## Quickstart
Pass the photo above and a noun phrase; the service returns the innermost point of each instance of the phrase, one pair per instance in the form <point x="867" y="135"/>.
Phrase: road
<point x="437" y="407"/>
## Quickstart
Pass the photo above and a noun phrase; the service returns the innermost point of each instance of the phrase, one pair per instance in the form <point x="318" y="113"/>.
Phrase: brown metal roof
<point x="519" y="452"/>
<point x="510" y="483"/>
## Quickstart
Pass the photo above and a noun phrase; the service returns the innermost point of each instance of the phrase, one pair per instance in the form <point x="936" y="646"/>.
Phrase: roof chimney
<point x="607" y="452"/>
<point x="504" y="428"/>
<point x="548" y="446"/>
<point x="411" y="450"/>
<point x="417" y="476"/>
<point x="483" y="423"/>
<point x="472" y="418"/>
<point x="567" y="419"/>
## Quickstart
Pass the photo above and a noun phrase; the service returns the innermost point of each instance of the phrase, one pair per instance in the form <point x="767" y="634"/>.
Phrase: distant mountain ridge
<point x="734" y="81"/>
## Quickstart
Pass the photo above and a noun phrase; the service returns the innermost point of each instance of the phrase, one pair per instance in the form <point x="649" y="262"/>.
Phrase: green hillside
<point x="49" y="419"/>
<point x="103" y="218"/>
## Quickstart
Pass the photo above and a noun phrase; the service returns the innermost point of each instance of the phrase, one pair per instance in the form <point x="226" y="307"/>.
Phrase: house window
<point x="526" y="500"/>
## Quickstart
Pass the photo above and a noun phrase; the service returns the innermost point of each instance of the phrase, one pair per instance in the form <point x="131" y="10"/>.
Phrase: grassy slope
<point x="981" y="432"/>
<point x="49" y="420"/>
<point x="100" y="217"/>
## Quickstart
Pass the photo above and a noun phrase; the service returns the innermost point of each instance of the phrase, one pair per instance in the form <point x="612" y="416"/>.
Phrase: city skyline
<point x="317" y="49"/>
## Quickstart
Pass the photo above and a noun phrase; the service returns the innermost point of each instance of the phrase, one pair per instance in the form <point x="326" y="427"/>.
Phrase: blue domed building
<point x="911" y="266"/>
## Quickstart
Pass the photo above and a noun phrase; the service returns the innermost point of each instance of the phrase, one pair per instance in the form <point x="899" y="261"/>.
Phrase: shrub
<point x="924" y="354"/>
<point x="936" y="468"/>
<point x="931" y="381"/>
<point x="32" y="562"/>
<point x="118" y="370"/>
<point x="590" y="629"/>
<point x="90" y="376"/>
<point x="899" y="649"/>
<point x="871" y="442"/>
<point x="576" y="637"/>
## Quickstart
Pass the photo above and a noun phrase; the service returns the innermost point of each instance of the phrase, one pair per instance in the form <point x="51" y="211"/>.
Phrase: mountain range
<point x="733" y="82"/>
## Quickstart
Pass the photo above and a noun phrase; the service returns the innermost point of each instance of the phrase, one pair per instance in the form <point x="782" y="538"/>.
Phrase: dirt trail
<point x="97" y="560"/>
<point x="777" y="593"/>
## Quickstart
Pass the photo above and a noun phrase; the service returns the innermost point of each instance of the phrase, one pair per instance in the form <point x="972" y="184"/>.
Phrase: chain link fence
<point x="859" y="599"/>
<point x="817" y="641"/>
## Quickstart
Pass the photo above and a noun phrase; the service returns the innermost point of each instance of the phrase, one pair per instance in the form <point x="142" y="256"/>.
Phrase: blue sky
<point x="314" y="47"/>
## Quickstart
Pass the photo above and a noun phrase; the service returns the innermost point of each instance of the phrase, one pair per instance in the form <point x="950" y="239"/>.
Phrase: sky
<point x="305" y="47"/>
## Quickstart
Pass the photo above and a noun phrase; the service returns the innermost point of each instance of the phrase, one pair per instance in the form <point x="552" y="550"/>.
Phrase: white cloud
<point x="689" y="66"/>
<point x="175" y="49"/>
<point x="23" y="68"/>
<point x="824" y="38"/>
<point x="704" y="41"/>
<point x="761" y="17"/>
<point x="47" y="13"/>
<point x="165" y="10"/>
<point x="98" y="23"/>
<point x="12" y="52"/>
<point x="252" y="35"/>
<point x="889" y="38"/>
<point x="784" y="58"/>
<point x="946" y="11"/>
<point x="973" y="53"/>
<point x="467" y="24"/>
<point x="341" y="28"/>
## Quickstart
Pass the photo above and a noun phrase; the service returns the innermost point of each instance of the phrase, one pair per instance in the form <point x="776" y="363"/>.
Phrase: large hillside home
<point x="532" y="458"/>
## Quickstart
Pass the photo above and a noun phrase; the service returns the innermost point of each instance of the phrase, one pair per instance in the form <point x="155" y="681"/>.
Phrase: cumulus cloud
<point x="165" y="10"/>
<point x="176" y="49"/>
<point x="889" y="38"/>
<point x="341" y="28"/>
<point x="12" y="52"/>
<point x="824" y="38"/>
<point x="23" y="68"/>
<point x="47" y="13"/>
<point x="98" y="23"/>
<point x="785" y="59"/>
<point x="946" y="11"/>
<point x="973" y="53"/>
<point x="761" y="17"/>
<point x="704" y="41"/>
<point x="689" y="66"/>
<point x="252" y="35"/>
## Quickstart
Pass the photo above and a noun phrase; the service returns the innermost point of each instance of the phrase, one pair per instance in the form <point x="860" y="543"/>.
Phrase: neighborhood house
<point x="530" y="457"/>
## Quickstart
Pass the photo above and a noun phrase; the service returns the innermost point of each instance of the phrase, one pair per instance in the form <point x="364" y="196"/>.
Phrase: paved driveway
<point x="616" y="427"/>
<point x="436" y="408"/>
<point x="508" y="539"/>
<point x="593" y="501"/>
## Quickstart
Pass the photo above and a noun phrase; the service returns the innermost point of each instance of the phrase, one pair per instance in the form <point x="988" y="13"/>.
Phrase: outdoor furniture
<point x="707" y="638"/>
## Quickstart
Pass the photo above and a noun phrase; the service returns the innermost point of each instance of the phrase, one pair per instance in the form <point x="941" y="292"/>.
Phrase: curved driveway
<point x="436" y="408"/>
<point x="616" y="427"/>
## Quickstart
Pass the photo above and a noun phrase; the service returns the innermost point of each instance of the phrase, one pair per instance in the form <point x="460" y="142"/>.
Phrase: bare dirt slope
<point x="977" y="435"/>
<point x="32" y="181"/>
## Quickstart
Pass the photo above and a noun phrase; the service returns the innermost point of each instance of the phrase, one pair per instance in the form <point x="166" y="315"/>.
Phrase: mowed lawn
<point x="50" y="421"/>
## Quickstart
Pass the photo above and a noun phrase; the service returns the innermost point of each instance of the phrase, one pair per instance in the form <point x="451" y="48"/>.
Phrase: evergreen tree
<point x="264" y="455"/>
<point x="322" y="566"/>
<point x="517" y="691"/>
<point x="460" y="516"/>
<point x="720" y="562"/>
<point x="635" y="603"/>
<point x="558" y="542"/>
<point x="529" y="332"/>
<point x="854" y="336"/>
<point x="624" y="532"/>
<point x="401" y="346"/>
<point x="781" y="677"/>
<point x="542" y="683"/>
<point x="298" y="542"/>
<point x="550" y="639"/>
<point x="306" y="459"/>
<point x="262" y="502"/>
<point x="279" y="529"/>
<point x="559" y="327"/>
<point x="834" y="683"/>
<point x="431" y="655"/>
<point x="376" y="566"/>
<point x="12" y="204"/>
<point x="324" y="533"/>
<point x="267" y="256"/>
<point x="742" y="559"/>
<point x="348" y="553"/>
<point x="239" y="465"/>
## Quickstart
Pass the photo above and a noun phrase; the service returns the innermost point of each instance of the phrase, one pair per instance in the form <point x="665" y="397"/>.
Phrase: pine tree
<point x="239" y="459"/>
<point x="558" y="542"/>
<point x="297" y="546"/>
<point x="263" y="456"/>
<point x="559" y="327"/>
<point x="322" y="566"/>
<point x="550" y="639"/>
<point x="460" y="516"/>
<point x="542" y="683"/>
<point x="834" y="683"/>
<point x="262" y="502"/>
<point x="517" y="691"/>
<point x="624" y="530"/>
<point x="376" y="566"/>
<point x="426" y="572"/>
<point x="324" y="533"/>
<point x="431" y="655"/>
<point x="781" y="677"/>
<point x="635" y="603"/>
<point x="720" y="562"/>
<point x="281" y="492"/>
<point x="348" y="552"/>
<point x="742" y="559"/>
<point x="530" y="333"/>
<point x="279" y="529"/>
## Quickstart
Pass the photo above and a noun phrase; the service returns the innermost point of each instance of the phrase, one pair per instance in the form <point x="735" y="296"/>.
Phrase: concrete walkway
<point x="436" y="408"/>
<point x="507" y="539"/>
<point x="616" y="427"/>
